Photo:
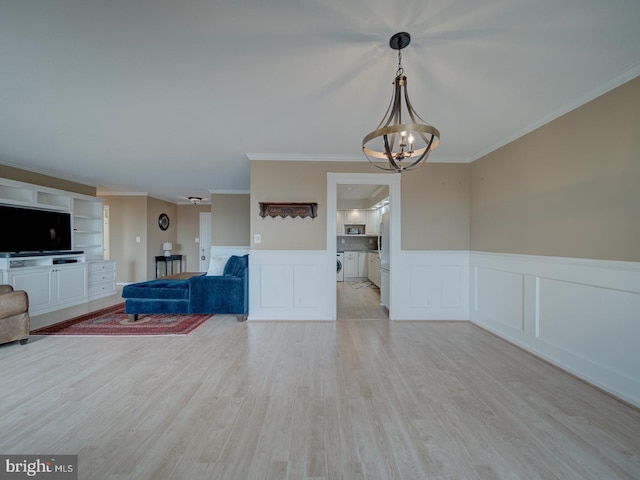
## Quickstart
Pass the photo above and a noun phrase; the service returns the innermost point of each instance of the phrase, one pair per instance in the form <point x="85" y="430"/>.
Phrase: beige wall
<point x="188" y="231"/>
<point x="137" y="216"/>
<point x="230" y="219"/>
<point x="435" y="204"/>
<point x="435" y="207"/>
<point x="19" y="175"/>
<point x="128" y="220"/>
<point x="570" y="188"/>
<point x="157" y="236"/>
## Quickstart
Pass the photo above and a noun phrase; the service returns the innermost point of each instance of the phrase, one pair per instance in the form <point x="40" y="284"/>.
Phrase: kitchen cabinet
<point x="355" y="265"/>
<point x="373" y="222"/>
<point x="355" y="217"/>
<point x="362" y="264"/>
<point x="340" y="222"/>
<point x="350" y="264"/>
<point x="369" y="218"/>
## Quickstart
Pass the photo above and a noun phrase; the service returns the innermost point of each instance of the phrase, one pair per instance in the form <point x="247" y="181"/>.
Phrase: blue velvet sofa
<point x="222" y="294"/>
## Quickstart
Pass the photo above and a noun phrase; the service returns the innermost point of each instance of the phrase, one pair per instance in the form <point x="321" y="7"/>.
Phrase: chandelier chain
<point x="400" y="70"/>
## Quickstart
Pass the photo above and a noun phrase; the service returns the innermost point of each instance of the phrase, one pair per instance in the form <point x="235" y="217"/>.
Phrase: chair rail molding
<point x="579" y="314"/>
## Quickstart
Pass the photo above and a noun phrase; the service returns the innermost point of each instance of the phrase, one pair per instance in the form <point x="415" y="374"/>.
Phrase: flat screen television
<point x="30" y="230"/>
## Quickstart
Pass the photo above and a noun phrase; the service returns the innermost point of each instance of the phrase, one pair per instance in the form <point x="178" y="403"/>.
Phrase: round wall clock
<point x="163" y="221"/>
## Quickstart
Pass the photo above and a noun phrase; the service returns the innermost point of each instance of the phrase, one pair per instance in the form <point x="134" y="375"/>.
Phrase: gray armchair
<point x="14" y="315"/>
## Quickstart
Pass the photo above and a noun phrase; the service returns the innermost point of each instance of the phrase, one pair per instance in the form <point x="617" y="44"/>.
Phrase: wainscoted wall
<point x="431" y="285"/>
<point x="581" y="315"/>
<point x="293" y="285"/>
<point x="289" y="285"/>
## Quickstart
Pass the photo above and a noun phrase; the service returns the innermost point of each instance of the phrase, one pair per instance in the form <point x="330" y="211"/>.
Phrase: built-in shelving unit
<point x="58" y="280"/>
<point x="88" y="227"/>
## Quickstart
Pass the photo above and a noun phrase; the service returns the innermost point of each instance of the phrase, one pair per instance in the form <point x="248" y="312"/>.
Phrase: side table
<point x="168" y="263"/>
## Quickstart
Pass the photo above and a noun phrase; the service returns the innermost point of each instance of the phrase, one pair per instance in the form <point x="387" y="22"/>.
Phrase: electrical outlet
<point x="257" y="238"/>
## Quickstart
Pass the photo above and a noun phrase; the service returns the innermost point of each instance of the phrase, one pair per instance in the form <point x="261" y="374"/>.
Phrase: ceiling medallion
<point x="404" y="146"/>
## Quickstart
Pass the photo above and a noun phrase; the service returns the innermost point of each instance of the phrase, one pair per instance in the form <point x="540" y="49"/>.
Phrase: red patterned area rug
<point x="113" y="321"/>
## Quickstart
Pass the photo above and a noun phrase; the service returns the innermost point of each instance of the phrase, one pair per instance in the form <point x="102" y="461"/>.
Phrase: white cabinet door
<point x="373" y="268"/>
<point x="37" y="284"/>
<point x="71" y="282"/>
<point x="355" y="217"/>
<point x="373" y="222"/>
<point x="370" y="267"/>
<point x="362" y="264"/>
<point x="51" y="287"/>
<point x="350" y="264"/>
<point x="340" y="222"/>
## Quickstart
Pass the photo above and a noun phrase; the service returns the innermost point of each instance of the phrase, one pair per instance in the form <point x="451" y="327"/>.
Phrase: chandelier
<point x="195" y="200"/>
<point x="403" y="146"/>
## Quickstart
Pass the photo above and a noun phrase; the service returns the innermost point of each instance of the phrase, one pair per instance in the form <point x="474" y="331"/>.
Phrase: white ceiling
<point x="170" y="97"/>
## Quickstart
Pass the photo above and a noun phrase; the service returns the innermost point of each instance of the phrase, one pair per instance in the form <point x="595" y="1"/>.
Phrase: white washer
<point x="339" y="268"/>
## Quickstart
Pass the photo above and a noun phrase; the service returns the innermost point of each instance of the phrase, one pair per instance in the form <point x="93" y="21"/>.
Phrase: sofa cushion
<point x="235" y="265"/>
<point x="158" y="306"/>
<point x="158" y="289"/>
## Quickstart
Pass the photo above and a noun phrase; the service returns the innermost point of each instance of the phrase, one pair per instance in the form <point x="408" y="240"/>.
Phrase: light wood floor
<point x="358" y="303"/>
<point x="353" y="399"/>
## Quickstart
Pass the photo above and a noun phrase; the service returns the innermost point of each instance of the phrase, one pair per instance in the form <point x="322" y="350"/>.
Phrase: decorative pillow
<point x="216" y="265"/>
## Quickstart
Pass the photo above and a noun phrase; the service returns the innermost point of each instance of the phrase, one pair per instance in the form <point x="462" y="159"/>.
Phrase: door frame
<point x="392" y="180"/>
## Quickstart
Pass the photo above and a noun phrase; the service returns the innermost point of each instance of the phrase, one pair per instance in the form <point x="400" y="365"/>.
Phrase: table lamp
<point x="166" y="246"/>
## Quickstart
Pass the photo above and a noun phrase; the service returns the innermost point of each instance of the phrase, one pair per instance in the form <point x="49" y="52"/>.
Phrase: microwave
<point x="354" y="229"/>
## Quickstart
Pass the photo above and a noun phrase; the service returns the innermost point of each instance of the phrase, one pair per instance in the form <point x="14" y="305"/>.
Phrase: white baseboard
<point x="581" y="315"/>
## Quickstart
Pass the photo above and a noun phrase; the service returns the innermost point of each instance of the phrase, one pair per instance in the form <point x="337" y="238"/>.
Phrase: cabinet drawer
<point x="95" y="267"/>
<point x="102" y="289"/>
<point x="100" y="277"/>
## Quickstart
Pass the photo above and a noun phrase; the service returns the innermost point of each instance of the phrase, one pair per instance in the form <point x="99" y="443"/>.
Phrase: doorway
<point x="360" y="209"/>
<point x="392" y="181"/>
<point x="205" y="240"/>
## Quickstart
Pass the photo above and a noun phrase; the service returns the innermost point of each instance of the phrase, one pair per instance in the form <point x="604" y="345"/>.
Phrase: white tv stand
<point x="52" y="281"/>
<point x="59" y="280"/>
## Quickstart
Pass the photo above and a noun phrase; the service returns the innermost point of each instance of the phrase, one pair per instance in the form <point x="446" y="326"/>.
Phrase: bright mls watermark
<point x="49" y="467"/>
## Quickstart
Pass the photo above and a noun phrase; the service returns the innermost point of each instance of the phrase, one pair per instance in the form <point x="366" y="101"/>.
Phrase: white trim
<point x="228" y="250"/>
<point x="393" y="181"/>
<point x="229" y="192"/>
<point x="305" y="157"/>
<point x="579" y="314"/>
<point x="562" y="110"/>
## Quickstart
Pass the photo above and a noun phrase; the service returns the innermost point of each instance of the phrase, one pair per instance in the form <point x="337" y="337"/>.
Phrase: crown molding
<point x="230" y="192"/>
<point x="577" y="102"/>
<point x="300" y="157"/>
